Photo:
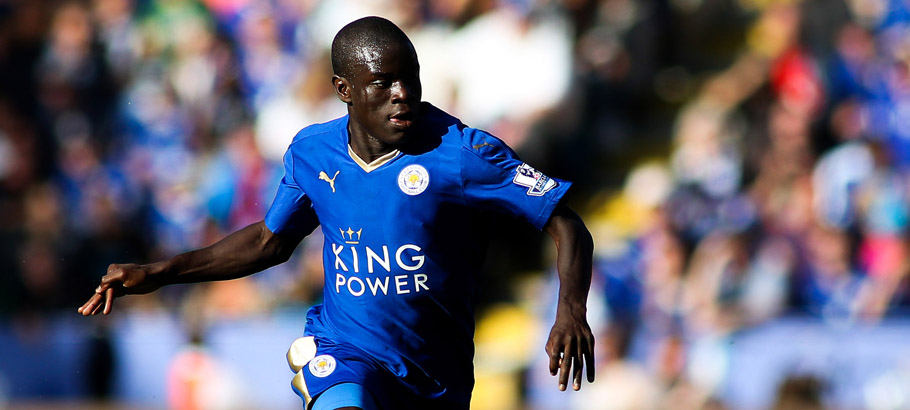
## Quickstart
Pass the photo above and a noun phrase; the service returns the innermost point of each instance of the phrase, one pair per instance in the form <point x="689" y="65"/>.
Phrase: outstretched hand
<point x="570" y="347"/>
<point x="126" y="279"/>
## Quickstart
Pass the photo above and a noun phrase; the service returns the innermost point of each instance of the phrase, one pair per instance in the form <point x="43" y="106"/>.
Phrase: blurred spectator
<point x="800" y="392"/>
<point x="516" y="41"/>
<point x="72" y="78"/>
<point x="627" y="383"/>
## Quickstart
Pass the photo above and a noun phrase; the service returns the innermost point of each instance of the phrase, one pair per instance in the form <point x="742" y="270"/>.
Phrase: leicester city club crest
<point x="413" y="179"/>
<point x="322" y="365"/>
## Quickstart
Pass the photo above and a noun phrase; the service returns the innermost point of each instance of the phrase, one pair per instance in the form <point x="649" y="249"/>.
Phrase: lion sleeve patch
<point x="536" y="182"/>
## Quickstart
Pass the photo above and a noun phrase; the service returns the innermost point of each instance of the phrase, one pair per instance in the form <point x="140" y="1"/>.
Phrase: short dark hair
<point x="365" y="34"/>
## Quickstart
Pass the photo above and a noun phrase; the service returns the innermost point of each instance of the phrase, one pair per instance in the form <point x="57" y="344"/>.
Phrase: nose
<point x="402" y="92"/>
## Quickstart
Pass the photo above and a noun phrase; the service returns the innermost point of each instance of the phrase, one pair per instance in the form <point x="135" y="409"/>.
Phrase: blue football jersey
<point x="402" y="240"/>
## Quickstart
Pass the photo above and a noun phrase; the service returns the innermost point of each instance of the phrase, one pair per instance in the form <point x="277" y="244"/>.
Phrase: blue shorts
<point x="359" y="382"/>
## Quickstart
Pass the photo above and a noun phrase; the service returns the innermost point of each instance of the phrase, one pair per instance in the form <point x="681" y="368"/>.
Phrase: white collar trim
<point x="378" y="162"/>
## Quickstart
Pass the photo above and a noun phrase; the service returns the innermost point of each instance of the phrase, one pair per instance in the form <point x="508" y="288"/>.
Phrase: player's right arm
<point x="261" y="245"/>
<point x="244" y="252"/>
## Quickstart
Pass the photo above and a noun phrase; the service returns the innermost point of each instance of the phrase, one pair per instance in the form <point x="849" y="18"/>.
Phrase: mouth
<point x="402" y="119"/>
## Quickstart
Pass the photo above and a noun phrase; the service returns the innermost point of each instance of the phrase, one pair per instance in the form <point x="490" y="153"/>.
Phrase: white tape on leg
<point x="301" y="352"/>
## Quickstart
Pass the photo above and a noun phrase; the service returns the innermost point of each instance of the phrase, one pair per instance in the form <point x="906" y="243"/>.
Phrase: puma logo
<point x="486" y="144"/>
<point x="325" y="177"/>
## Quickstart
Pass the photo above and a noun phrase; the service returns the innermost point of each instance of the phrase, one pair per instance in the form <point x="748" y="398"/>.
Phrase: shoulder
<point x="317" y="142"/>
<point x="318" y="134"/>
<point x="460" y="136"/>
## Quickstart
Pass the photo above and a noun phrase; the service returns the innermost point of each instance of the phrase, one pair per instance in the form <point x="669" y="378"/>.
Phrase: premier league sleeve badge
<point x="536" y="182"/>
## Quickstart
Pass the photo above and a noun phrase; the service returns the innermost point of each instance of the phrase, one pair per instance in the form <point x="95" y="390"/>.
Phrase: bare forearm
<point x="574" y="253"/>
<point x="239" y="254"/>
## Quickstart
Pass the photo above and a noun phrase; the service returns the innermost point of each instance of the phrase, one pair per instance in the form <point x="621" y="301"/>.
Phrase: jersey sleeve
<point x="291" y="211"/>
<point x="495" y="179"/>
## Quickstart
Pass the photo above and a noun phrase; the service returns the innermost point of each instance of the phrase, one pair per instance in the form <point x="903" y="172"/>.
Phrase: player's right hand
<point x="121" y="279"/>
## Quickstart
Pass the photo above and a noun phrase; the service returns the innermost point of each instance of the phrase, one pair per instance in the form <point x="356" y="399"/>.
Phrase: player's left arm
<point x="570" y="345"/>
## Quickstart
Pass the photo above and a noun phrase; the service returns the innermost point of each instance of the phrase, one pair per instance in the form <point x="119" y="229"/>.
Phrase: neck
<point x="367" y="147"/>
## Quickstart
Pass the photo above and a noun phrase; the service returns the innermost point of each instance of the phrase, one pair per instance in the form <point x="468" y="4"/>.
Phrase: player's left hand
<point x="570" y="347"/>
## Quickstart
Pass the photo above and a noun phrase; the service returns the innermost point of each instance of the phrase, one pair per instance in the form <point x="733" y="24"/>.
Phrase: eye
<point x="382" y="83"/>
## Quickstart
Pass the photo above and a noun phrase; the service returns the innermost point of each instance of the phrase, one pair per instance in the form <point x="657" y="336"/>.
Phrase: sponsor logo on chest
<point x="352" y="260"/>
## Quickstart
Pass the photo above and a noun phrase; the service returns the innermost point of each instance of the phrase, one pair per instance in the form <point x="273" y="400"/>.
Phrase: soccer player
<point x="397" y="186"/>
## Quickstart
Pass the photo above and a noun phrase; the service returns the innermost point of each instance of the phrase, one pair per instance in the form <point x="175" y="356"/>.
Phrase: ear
<point x="342" y="88"/>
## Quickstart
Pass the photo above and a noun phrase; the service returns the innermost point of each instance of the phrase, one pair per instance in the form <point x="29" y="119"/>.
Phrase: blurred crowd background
<point x="744" y="166"/>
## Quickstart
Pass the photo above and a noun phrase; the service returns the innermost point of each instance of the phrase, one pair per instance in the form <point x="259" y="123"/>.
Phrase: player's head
<point x="376" y="73"/>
